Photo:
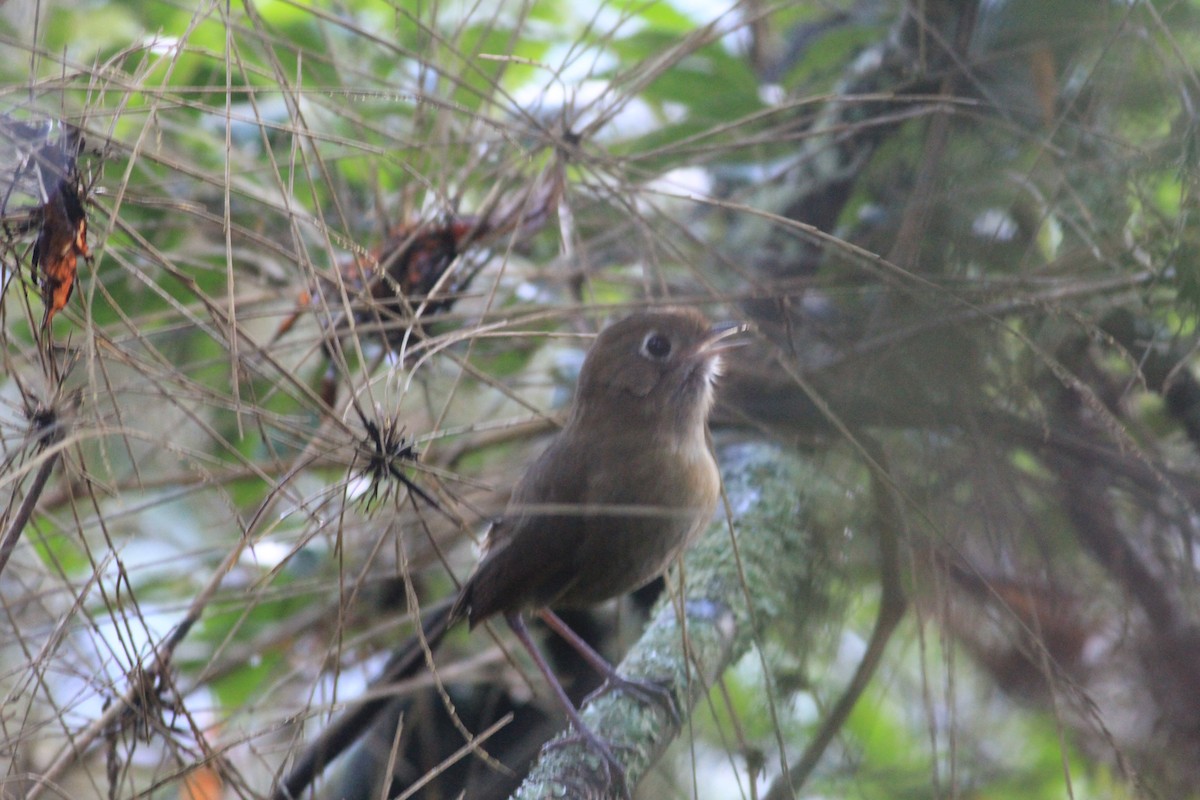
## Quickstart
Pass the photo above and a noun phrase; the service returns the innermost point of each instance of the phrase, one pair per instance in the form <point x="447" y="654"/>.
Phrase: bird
<point x="625" y="486"/>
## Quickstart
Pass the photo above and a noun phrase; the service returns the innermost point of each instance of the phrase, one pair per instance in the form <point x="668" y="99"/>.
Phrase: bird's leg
<point x="614" y="768"/>
<point x="645" y="691"/>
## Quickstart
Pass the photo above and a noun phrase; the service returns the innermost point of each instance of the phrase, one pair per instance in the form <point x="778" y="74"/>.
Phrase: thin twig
<point x="892" y="606"/>
<point x="50" y="435"/>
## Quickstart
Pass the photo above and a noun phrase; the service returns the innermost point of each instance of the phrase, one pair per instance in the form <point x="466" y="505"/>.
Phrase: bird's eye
<point x="656" y="346"/>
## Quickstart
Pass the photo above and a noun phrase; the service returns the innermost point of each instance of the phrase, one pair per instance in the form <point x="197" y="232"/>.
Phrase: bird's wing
<point x="529" y="554"/>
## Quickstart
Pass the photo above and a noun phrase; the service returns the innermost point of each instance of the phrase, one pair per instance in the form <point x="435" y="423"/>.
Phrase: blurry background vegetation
<point x="964" y="232"/>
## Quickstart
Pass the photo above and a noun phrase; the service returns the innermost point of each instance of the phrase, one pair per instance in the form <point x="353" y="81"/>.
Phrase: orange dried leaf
<point x="202" y="783"/>
<point x="61" y="240"/>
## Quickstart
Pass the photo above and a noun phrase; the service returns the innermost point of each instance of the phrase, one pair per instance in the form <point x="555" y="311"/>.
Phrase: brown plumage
<point x="625" y="486"/>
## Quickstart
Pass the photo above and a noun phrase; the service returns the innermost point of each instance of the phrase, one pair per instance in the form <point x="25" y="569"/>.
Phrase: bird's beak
<point x="721" y="337"/>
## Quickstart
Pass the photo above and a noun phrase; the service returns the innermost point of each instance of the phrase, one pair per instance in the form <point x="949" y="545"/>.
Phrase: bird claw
<point x="648" y="692"/>
<point x="614" y="770"/>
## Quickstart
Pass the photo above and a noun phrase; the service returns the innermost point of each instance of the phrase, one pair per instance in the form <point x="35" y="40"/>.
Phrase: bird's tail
<point x="344" y="731"/>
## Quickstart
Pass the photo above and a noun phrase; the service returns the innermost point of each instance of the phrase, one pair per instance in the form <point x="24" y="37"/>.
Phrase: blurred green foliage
<point x="236" y="154"/>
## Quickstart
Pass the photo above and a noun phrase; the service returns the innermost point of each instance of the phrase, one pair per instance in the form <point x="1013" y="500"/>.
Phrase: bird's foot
<point x="649" y="692"/>
<point x="614" y="770"/>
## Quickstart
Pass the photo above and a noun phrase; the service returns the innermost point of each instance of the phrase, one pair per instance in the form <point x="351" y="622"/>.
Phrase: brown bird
<point x="622" y="490"/>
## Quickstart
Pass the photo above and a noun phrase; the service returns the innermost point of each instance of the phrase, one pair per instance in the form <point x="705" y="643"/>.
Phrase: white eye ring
<point x="656" y="346"/>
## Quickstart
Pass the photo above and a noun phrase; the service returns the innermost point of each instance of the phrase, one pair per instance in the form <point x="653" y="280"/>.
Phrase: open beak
<point x="721" y="337"/>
